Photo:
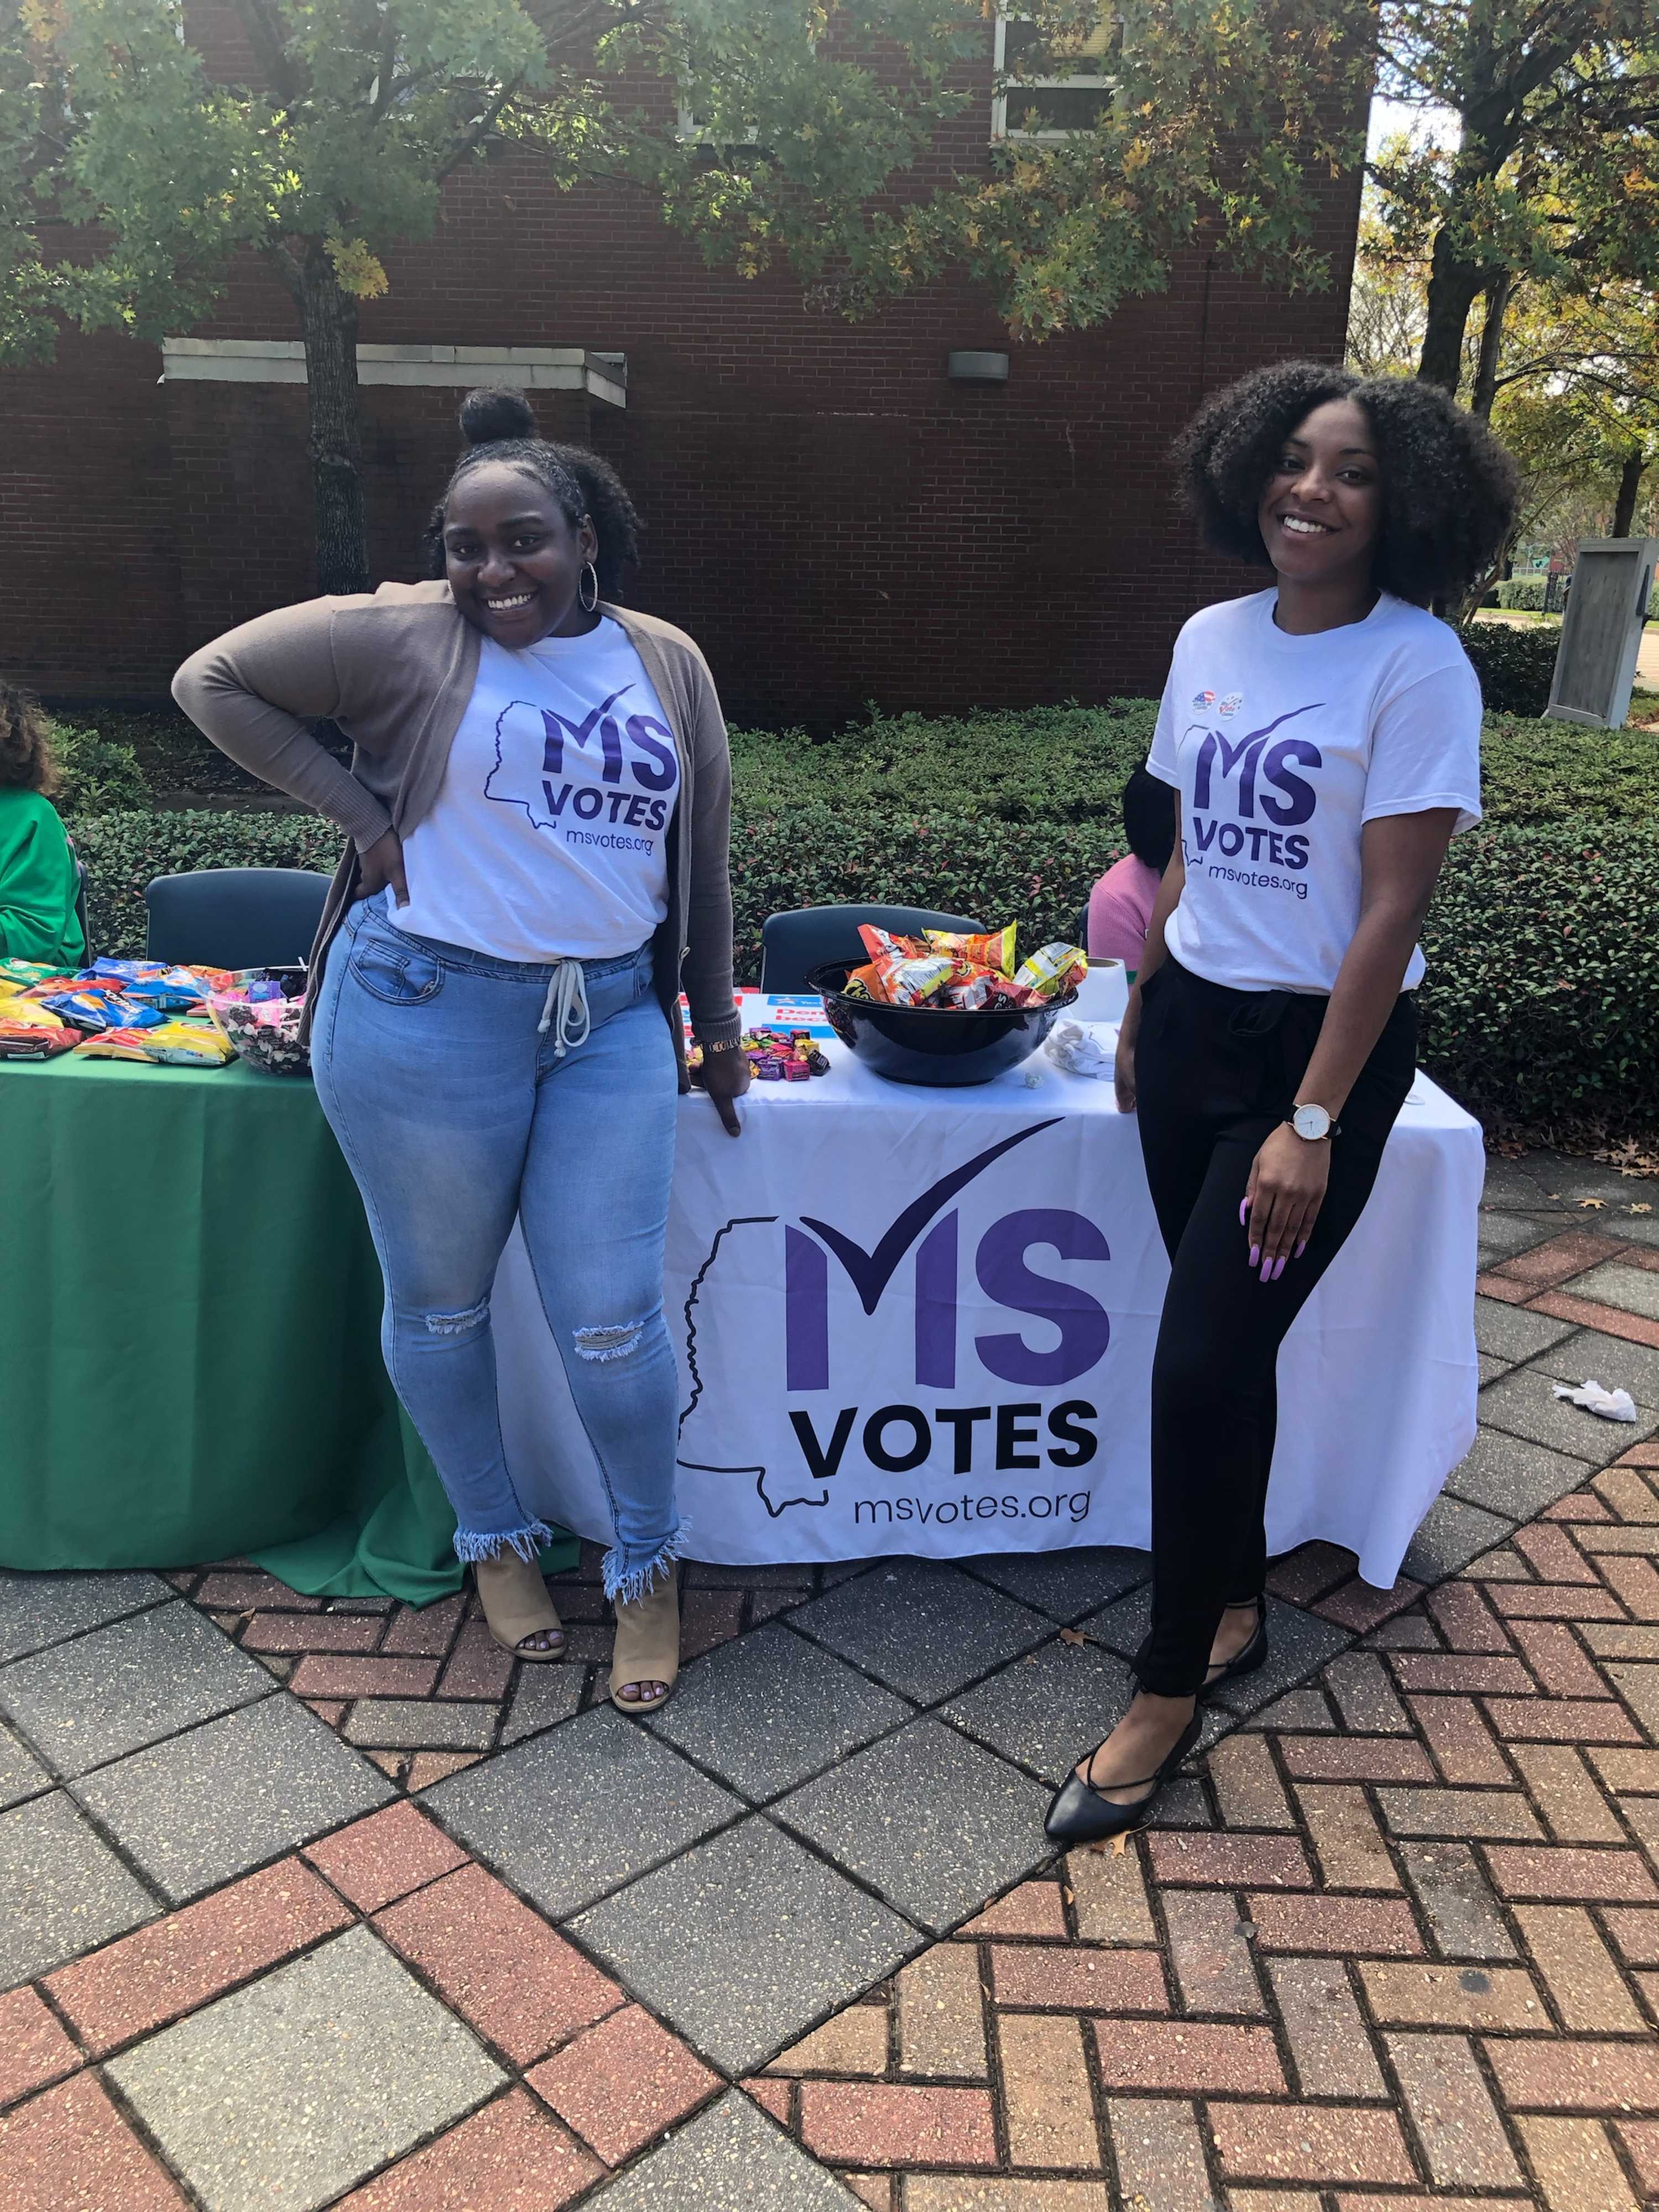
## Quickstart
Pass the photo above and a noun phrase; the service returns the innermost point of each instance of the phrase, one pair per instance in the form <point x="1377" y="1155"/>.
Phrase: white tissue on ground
<point x="1082" y="1051"/>
<point x="1611" y="1405"/>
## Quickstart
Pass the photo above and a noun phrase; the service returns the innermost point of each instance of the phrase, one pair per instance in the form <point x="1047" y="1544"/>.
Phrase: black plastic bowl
<point x="933" y="1045"/>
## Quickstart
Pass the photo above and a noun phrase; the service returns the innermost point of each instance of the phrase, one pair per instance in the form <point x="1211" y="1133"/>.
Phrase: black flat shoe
<point x="1230" y="1670"/>
<point x="1079" y="1814"/>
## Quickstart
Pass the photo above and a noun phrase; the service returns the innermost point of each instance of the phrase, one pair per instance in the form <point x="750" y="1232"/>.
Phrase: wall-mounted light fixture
<point x="977" y="367"/>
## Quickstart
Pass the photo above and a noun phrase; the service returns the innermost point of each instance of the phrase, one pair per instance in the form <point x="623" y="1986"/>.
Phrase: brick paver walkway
<point x="478" y="1942"/>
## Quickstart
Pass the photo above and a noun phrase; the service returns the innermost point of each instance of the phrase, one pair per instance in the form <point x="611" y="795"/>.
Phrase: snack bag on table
<point x="991" y="948"/>
<point x="882" y="944"/>
<point x="31" y="1040"/>
<point x="1058" y="968"/>
<point x="23" y="975"/>
<point x="88" y="1008"/>
<point x="167" y="1044"/>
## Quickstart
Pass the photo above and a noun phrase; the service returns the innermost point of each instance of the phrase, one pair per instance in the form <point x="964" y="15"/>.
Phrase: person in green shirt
<point x="40" y="882"/>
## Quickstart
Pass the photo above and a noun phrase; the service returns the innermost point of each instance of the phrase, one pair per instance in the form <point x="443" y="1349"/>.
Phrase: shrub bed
<point x="1540" y="1011"/>
<point x="1515" y="665"/>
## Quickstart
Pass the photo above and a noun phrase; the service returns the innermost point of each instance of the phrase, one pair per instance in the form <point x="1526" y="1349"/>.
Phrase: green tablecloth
<point x="190" y="1360"/>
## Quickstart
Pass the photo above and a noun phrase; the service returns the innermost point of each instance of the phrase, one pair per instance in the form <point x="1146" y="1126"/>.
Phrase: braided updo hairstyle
<point x="1448" y="487"/>
<point x="499" y="425"/>
<point x="26" y="761"/>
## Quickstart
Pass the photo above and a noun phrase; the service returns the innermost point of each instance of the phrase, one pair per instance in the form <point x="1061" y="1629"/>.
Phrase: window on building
<point x="1050" y="88"/>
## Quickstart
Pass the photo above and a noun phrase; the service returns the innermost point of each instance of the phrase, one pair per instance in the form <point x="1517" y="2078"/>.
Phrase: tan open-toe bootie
<point x="516" y="1605"/>
<point x="648" y="1646"/>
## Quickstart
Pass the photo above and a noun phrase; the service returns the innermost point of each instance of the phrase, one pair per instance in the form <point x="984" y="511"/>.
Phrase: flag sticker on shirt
<point x="1203" y="698"/>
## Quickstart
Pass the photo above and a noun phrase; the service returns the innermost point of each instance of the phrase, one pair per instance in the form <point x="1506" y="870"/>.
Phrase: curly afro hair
<point x="1448" y="487"/>
<point x="26" y="761"/>
<point x="499" y="425"/>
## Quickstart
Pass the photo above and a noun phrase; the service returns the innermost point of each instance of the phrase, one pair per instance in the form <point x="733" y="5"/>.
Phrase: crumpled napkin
<point x="1079" y="1052"/>
<point x="1611" y="1405"/>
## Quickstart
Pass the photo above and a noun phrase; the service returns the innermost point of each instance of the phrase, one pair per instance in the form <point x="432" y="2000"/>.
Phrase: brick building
<point x="830" y="515"/>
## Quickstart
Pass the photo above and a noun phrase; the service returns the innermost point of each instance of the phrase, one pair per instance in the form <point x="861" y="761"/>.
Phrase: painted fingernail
<point x="1243" y="1211"/>
<point x="1256" y="1255"/>
<point x="1300" y="1250"/>
<point x="1278" y="1268"/>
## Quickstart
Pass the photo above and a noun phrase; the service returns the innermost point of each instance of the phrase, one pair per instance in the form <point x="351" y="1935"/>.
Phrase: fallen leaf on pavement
<point x="1074" y="1635"/>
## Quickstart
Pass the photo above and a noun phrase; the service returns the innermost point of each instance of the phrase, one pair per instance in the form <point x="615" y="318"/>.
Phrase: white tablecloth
<point x="922" y="1321"/>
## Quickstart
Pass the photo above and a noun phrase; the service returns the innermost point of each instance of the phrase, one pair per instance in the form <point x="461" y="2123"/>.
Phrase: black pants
<point x="1216" y="1072"/>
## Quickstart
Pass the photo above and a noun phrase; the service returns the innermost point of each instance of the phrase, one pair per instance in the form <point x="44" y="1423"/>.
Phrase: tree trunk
<point x="328" y="323"/>
<point x="1492" y="344"/>
<point x="1453" y="287"/>
<point x="1624" y="508"/>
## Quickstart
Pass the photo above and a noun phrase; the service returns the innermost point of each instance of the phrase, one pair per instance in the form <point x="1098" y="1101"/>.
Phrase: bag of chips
<point x="29" y="1041"/>
<point x="30" y="1013"/>
<point x="992" y="948"/>
<point x="94" y="1010"/>
<point x="1055" y="970"/>
<point x="880" y="945"/>
<point x="112" y="1044"/>
<point x="23" y="975"/>
<point x="186" y="1044"/>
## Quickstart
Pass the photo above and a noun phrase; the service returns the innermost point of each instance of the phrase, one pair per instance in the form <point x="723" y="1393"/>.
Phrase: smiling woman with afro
<point x="1448" y="487"/>
<point x="1320" y="743"/>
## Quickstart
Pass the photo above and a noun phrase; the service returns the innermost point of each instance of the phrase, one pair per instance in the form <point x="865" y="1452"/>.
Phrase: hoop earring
<point x="589" y="572"/>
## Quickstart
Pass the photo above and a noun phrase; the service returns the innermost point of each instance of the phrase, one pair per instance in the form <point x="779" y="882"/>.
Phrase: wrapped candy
<point x="992" y="948"/>
<point x="1057" y="969"/>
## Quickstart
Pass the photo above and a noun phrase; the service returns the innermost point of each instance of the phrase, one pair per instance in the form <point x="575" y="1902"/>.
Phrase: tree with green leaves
<point x="133" y="172"/>
<point x="1554" y="173"/>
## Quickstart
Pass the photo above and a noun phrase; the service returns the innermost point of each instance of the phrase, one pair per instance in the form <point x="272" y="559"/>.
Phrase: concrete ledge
<point x="283" y="360"/>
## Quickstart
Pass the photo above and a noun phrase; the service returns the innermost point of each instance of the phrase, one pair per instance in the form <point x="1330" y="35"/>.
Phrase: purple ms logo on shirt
<point x="1256" y="783"/>
<point x="620" y="780"/>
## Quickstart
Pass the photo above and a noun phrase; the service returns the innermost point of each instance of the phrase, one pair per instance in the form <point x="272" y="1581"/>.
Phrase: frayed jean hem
<point x="474" y="1544"/>
<point x="625" y="1584"/>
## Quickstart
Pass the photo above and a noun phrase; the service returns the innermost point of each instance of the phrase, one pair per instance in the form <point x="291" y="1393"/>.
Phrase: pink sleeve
<point x="1119" y="908"/>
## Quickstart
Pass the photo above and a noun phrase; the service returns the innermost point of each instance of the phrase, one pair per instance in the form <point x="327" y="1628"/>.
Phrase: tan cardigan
<point x="395" y="668"/>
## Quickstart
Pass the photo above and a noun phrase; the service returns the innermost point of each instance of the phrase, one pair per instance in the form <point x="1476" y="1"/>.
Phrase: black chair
<point x="235" y="917"/>
<point x="792" y="945"/>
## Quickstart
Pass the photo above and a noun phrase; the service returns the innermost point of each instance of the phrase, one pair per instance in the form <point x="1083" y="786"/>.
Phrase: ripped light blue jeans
<point x="463" y="1090"/>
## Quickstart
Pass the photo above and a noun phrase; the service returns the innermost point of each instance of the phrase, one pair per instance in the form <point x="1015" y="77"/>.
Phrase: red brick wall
<point x="831" y="517"/>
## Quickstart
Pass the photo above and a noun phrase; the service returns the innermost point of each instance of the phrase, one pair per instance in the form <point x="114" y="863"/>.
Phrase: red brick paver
<point x="1402" y="1965"/>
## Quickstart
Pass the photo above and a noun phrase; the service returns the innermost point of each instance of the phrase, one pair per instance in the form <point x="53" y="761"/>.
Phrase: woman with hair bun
<point x="1323" y="741"/>
<point x="537" y="805"/>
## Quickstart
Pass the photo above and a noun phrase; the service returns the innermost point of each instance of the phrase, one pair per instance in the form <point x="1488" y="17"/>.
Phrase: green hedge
<point x="1540" y="1007"/>
<point x="1541" y="1010"/>
<point x="123" y="851"/>
<point x="1523" y="593"/>
<point x="1515" y="665"/>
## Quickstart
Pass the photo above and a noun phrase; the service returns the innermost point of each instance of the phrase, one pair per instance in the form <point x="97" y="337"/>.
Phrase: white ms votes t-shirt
<point x="1282" y="749"/>
<point x="548" y="839"/>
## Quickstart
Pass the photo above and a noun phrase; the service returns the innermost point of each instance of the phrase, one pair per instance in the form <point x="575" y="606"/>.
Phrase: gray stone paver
<point x="1508" y="1333"/>
<point x="1616" y="1283"/>
<point x="921" y="1627"/>
<point x="127" y="1685"/>
<point x="767" y="1710"/>
<point x="933" y="1822"/>
<point x="1614" y="1361"/>
<point x="281" y="2095"/>
<point x="573" y="1813"/>
<point x="398" y="1724"/>
<point x="1449" y="1535"/>
<point x="1524" y="1404"/>
<point x="63" y="1891"/>
<point x="36" y="1610"/>
<point x="732" y="2158"/>
<point x="1510" y="1475"/>
<point x="545" y="1696"/>
<point x="1043" y="1715"/>
<point x="744" y="1941"/>
<point x="219" y="1800"/>
<point x="1064" y="1584"/>
<point x="20" y="1775"/>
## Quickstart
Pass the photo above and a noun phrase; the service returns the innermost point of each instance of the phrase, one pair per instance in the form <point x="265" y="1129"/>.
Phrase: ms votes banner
<point x="923" y="1321"/>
